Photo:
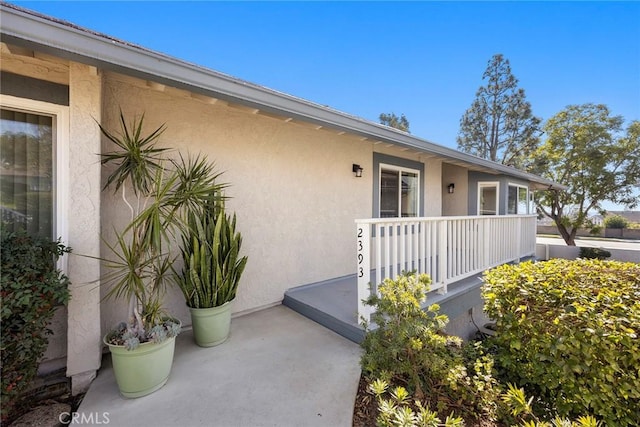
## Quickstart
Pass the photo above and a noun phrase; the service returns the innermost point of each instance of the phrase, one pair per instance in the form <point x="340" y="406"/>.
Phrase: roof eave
<point x="32" y="30"/>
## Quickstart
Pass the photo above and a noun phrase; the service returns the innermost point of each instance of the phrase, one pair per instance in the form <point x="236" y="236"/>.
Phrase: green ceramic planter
<point x="144" y="370"/>
<point x="211" y="325"/>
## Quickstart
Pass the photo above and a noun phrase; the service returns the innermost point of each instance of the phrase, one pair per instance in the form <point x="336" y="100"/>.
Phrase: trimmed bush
<point x="594" y="253"/>
<point x="31" y="290"/>
<point x="616" y="221"/>
<point x="567" y="332"/>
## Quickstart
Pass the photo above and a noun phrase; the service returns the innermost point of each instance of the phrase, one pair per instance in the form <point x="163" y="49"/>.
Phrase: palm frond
<point x="137" y="157"/>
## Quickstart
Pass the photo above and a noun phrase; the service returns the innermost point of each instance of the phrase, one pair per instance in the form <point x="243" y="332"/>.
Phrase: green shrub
<point x="398" y="410"/>
<point x="616" y="221"/>
<point x="395" y="408"/>
<point x="595" y="230"/>
<point x="594" y="253"/>
<point x="409" y="347"/>
<point x="520" y="407"/>
<point x="31" y="289"/>
<point x="567" y="331"/>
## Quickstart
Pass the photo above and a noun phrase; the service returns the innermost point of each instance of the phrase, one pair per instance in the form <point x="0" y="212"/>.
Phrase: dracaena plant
<point x="159" y="192"/>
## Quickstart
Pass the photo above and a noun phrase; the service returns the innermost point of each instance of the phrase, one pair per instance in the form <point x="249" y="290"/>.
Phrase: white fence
<point x="446" y="248"/>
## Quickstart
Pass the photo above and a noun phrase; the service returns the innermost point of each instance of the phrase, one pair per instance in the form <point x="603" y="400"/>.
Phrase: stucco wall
<point x="84" y="335"/>
<point x="545" y="251"/>
<point x="292" y="187"/>
<point x="54" y="357"/>
<point x="433" y="187"/>
<point x="455" y="204"/>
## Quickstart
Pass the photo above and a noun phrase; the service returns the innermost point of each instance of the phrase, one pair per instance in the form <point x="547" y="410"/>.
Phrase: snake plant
<point x="211" y="255"/>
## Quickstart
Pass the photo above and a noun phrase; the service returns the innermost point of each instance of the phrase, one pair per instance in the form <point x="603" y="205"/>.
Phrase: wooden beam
<point x="20" y="51"/>
<point x="204" y="98"/>
<point x="156" y="86"/>
<point x="271" y="115"/>
<point x="240" y="107"/>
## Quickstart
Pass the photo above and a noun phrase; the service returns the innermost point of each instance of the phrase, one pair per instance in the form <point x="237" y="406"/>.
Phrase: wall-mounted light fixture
<point x="357" y="170"/>
<point x="451" y="187"/>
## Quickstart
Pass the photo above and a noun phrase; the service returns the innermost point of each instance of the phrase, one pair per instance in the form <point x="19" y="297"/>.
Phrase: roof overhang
<point x="24" y="28"/>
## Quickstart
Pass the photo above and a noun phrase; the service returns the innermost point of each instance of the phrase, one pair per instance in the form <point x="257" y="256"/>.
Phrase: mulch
<point x="365" y="410"/>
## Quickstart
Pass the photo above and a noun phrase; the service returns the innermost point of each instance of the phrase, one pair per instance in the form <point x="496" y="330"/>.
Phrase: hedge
<point x="567" y="331"/>
<point x="31" y="289"/>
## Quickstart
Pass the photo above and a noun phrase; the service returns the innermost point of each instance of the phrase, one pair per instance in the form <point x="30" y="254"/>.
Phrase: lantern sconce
<point x="357" y="170"/>
<point x="450" y="188"/>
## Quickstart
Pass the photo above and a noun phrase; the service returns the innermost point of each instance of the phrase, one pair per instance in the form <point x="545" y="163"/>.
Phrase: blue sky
<point x="423" y="59"/>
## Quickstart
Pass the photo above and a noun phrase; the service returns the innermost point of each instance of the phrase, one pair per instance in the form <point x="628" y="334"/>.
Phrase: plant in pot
<point x="157" y="191"/>
<point x="211" y="271"/>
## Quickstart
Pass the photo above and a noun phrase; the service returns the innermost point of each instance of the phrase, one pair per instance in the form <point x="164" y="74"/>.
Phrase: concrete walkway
<point x="277" y="369"/>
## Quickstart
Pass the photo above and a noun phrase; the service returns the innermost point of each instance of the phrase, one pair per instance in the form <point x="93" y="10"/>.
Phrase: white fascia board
<point x="29" y="29"/>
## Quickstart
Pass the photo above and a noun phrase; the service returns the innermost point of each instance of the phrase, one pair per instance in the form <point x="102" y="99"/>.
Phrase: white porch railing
<point x="446" y="248"/>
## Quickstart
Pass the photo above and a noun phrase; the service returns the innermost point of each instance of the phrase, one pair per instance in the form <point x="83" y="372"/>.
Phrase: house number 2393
<point x="360" y="254"/>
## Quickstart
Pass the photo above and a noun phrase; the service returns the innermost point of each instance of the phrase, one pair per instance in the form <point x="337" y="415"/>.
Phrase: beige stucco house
<point x="301" y="174"/>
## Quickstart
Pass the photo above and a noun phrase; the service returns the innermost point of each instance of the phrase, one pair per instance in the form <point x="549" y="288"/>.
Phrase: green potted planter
<point x="158" y="192"/>
<point x="211" y="326"/>
<point x="211" y="272"/>
<point x="145" y="369"/>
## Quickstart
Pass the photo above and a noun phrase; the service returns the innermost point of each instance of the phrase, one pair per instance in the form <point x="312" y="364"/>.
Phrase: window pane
<point x="409" y="194"/>
<point x="389" y="188"/>
<point x="26" y="171"/>
<point x="488" y="200"/>
<point x="522" y="201"/>
<point x="532" y="205"/>
<point x="512" y="200"/>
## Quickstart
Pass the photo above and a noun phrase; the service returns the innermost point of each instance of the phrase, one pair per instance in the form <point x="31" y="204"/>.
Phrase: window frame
<point x="527" y="201"/>
<point x="399" y="170"/>
<point x="483" y="184"/>
<point x="60" y="158"/>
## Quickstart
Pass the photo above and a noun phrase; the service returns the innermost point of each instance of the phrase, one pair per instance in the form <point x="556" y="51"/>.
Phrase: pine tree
<point x="391" y="120"/>
<point x="499" y="125"/>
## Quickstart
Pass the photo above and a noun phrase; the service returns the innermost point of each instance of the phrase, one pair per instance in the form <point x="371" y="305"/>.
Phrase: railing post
<point x="519" y="241"/>
<point x="363" y="268"/>
<point x="443" y="256"/>
<point x="486" y="242"/>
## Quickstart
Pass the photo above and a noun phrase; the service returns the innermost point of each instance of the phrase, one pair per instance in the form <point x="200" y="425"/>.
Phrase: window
<point x="29" y="178"/>
<point x="488" y="198"/>
<point x="399" y="191"/>
<point x="518" y="200"/>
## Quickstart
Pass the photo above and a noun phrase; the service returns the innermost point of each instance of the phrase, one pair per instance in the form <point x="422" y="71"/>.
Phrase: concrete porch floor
<point x="277" y="368"/>
<point x="333" y="303"/>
